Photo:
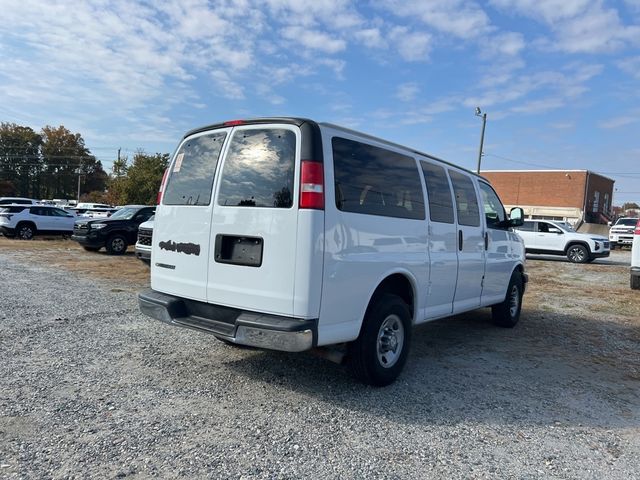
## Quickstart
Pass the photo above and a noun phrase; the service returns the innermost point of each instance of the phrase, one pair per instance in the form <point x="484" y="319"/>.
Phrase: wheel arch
<point x="400" y="283"/>
<point x="571" y="243"/>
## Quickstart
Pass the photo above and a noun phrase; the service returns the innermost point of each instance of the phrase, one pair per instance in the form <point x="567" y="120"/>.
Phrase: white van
<point x="288" y="234"/>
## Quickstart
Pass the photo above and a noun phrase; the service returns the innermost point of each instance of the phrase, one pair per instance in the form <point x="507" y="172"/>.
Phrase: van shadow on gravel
<point x="550" y="370"/>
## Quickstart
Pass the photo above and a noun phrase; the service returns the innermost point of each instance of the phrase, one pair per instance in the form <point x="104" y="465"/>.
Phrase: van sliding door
<point x="470" y="239"/>
<point x="443" y="250"/>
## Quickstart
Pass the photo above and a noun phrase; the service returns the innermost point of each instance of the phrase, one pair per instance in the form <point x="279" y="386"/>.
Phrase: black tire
<point x="379" y="353"/>
<point x="25" y="231"/>
<point x="91" y="249"/>
<point x="635" y="282"/>
<point x="578" y="253"/>
<point x="116" y="245"/>
<point x="507" y="313"/>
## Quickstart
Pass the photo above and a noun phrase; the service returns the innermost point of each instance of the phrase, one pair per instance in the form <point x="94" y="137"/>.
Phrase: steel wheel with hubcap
<point x="578" y="254"/>
<point x="379" y="353"/>
<point x="507" y="313"/>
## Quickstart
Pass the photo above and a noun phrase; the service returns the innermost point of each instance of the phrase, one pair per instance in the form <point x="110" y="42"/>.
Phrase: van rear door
<point x="181" y="237"/>
<point x="252" y="259"/>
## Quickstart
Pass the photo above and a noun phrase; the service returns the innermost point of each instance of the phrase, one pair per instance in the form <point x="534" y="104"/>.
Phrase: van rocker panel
<point x="236" y="326"/>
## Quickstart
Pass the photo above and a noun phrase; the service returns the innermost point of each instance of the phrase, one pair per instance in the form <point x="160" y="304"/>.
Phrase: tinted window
<point x="191" y="177"/>
<point x="466" y="200"/>
<point x="526" y="226"/>
<point x="439" y="192"/>
<point x="145" y="214"/>
<point x="493" y="208"/>
<point x="38" y="211"/>
<point x="376" y="181"/>
<point x="12" y="209"/>
<point x="258" y="169"/>
<point x="57" y="212"/>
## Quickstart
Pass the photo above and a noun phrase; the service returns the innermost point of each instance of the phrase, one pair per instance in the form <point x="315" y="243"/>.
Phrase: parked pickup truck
<point x="558" y="238"/>
<point x="621" y="232"/>
<point x="115" y="233"/>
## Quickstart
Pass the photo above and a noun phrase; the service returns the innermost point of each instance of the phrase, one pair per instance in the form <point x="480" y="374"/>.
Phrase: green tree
<point x="20" y="160"/>
<point x="66" y="156"/>
<point x="144" y="177"/>
<point x="630" y="206"/>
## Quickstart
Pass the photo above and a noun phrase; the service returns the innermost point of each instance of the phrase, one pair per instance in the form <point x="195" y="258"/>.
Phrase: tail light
<point x="162" y="184"/>
<point x="311" y="185"/>
<point x="233" y="123"/>
<point x="637" y="230"/>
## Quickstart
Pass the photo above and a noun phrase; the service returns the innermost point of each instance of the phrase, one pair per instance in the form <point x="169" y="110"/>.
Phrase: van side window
<point x="258" y="169"/>
<point x="376" y="181"/>
<point x="466" y="199"/>
<point x="439" y="192"/>
<point x="493" y="208"/>
<point x="191" y="177"/>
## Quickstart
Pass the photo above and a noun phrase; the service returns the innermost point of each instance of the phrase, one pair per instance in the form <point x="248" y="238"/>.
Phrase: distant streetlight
<point x="484" y="123"/>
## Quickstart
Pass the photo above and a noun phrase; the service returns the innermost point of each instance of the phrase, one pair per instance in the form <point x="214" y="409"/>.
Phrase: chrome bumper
<point x="236" y="326"/>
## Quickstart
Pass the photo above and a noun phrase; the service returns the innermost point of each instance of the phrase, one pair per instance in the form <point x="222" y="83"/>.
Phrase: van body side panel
<point x="360" y="250"/>
<point x="307" y="290"/>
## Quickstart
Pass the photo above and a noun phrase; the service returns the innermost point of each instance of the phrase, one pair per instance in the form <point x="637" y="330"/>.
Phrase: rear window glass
<point x="11" y="209"/>
<point x="191" y="176"/>
<point x="258" y="169"/>
<point x="376" y="181"/>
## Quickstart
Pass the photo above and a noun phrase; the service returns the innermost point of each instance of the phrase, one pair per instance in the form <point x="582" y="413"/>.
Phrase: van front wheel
<point x="507" y="313"/>
<point x="378" y="355"/>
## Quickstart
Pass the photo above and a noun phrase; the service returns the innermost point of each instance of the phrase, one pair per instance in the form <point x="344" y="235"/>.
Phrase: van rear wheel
<point x="378" y="355"/>
<point x="507" y="313"/>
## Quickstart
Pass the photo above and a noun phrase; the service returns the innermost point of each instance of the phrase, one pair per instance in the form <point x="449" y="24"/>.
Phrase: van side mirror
<point x="516" y="217"/>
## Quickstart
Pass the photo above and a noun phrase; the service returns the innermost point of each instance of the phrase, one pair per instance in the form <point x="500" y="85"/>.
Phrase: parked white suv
<point x="25" y="221"/>
<point x="288" y="234"/>
<point x="558" y="238"/>
<point x="621" y="232"/>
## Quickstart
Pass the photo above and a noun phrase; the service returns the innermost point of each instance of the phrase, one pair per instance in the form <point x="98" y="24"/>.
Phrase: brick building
<point x="574" y="196"/>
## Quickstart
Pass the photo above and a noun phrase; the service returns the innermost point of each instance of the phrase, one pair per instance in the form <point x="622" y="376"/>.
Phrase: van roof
<point x="300" y="120"/>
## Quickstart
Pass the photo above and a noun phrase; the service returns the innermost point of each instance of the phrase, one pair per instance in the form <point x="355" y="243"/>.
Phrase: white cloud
<point x="578" y="26"/>
<point x="507" y="44"/>
<point x="461" y="18"/>
<point x="407" y="92"/>
<point x="412" y="46"/>
<point x="631" y="66"/>
<point x="548" y="10"/>
<point x="314" y="39"/>
<point x="618" y="122"/>
<point x="370" y="37"/>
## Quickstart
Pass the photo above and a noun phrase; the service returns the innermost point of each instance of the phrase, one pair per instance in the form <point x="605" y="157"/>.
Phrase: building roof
<point x="557" y="170"/>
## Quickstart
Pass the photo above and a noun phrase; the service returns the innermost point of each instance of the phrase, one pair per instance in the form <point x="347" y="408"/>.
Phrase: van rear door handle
<point x="460" y="240"/>
<point x="486" y="240"/>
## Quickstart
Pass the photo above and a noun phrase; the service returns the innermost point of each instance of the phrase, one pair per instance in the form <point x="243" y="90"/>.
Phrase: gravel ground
<point x="89" y="387"/>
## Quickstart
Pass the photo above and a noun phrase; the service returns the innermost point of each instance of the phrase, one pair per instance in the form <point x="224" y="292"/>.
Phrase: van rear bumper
<point x="236" y="326"/>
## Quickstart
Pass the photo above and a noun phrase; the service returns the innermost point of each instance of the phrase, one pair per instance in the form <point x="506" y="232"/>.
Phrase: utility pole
<point x="79" y="170"/>
<point x="484" y="123"/>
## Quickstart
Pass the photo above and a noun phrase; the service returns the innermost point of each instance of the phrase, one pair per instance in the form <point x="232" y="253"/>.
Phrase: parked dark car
<point x="115" y="233"/>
